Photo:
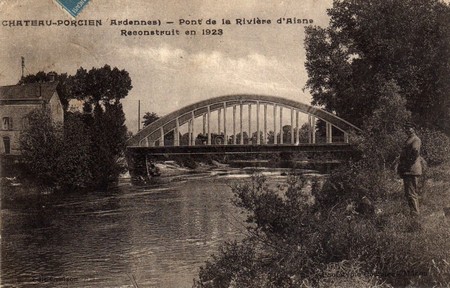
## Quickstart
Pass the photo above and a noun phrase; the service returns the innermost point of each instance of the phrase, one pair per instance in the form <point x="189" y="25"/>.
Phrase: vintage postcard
<point x="159" y="107"/>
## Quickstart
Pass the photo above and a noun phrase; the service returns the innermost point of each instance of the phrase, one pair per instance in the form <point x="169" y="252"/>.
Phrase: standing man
<point x="410" y="168"/>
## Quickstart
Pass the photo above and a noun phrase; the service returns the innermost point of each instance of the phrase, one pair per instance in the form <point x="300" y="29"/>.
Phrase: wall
<point x="56" y="108"/>
<point x="17" y="112"/>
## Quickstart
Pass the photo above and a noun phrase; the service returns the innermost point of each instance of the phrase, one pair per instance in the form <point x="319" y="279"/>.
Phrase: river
<point x="157" y="236"/>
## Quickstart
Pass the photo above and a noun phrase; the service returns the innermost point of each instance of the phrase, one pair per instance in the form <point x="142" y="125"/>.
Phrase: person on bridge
<point x="410" y="168"/>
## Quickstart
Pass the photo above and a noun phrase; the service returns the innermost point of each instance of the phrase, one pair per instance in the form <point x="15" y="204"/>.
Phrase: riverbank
<point x="344" y="239"/>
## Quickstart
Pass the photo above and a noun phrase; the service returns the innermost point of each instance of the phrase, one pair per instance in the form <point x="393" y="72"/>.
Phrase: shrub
<point x="383" y="135"/>
<point x="234" y="266"/>
<point x="435" y="146"/>
<point x="275" y="254"/>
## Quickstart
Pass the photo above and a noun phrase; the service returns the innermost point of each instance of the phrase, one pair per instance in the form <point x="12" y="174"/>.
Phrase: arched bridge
<point x="241" y="127"/>
<point x="232" y="132"/>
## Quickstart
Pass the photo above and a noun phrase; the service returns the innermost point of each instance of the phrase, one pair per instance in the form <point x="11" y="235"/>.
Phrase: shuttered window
<point x="7" y="123"/>
<point x="7" y="145"/>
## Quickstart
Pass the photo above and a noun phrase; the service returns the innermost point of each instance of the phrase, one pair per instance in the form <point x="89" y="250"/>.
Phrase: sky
<point x="167" y="72"/>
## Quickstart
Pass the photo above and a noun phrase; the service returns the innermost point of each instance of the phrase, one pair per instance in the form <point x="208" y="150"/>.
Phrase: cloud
<point x="215" y="69"/>
<point x="171" y="57"/>
<point x="165" y="54"/>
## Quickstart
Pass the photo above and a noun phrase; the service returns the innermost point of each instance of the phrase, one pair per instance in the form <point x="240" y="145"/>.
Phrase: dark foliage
<point x="53" y="158"/>
<point x="41" y="147"/>
<point x="369" y="43"/>
<point x="100" y="86"/>
<point x="150" y="117"/>
<point x="87" y="153"/>
<point x="108" y="137"/>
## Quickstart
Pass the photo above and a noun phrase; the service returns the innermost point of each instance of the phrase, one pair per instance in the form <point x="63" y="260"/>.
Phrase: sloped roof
<point x="32" y="91"/>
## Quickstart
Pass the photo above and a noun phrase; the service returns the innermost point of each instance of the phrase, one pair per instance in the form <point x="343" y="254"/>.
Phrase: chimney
<point x="52" y="76"/>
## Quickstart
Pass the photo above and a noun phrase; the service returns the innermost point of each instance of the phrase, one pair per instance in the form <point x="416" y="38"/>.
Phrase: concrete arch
<point x="169" y="122"/>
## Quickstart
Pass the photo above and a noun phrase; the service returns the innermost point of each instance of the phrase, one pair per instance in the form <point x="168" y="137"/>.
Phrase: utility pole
<point x="23" y="67"/>
<point x="139" y="115"/>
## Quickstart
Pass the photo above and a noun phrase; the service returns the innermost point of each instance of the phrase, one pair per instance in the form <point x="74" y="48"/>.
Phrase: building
<point x="16" y="101"/>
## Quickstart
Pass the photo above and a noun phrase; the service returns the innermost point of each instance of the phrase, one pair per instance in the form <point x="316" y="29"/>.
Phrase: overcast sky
<point x="167" y="72"/>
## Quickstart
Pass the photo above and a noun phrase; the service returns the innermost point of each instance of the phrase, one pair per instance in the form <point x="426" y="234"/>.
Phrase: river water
<point x="157" y="236"/>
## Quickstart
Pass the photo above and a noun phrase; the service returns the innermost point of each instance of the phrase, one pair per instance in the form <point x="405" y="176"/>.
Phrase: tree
<point x="101" y="90"/>
<point x="40" y="145"/>
<point x="149" y="118"/>
<point x="369" y="43"/>
<point x="74" y="158"/>
<point x="385" y="126"/>
<point x="100" y="86"/>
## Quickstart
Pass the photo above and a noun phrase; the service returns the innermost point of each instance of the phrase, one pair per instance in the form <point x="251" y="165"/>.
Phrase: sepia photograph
<point x="212" y="143"/>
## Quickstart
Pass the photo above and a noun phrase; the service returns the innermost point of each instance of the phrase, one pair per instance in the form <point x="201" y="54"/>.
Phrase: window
<point x="7" y="145"/>
<point x="7" y="123"/>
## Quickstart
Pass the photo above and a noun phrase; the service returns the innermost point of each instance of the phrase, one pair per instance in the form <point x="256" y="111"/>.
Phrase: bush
<point x="275" y="254"/>
<point x="435" y="146"/>
<point x="234" y="266"/>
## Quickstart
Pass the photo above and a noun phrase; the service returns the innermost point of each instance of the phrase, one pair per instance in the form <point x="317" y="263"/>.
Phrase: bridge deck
<point x="243" y="149"/>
